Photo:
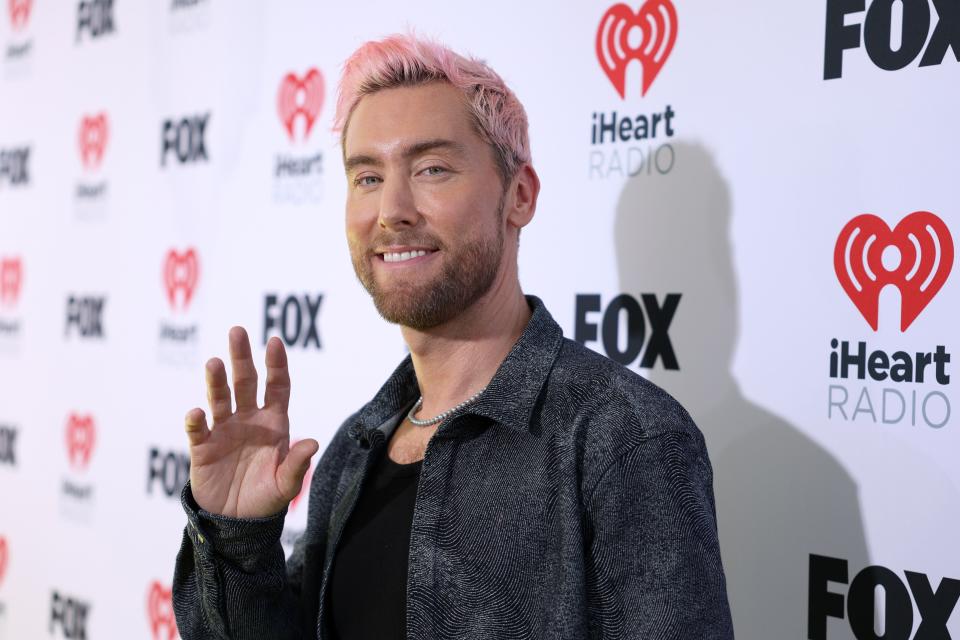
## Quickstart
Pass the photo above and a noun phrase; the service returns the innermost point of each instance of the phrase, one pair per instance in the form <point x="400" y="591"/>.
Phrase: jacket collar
<point x="509" y="398"/>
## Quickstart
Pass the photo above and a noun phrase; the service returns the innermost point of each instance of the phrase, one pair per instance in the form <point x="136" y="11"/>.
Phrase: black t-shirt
<point x="368" y="594"/>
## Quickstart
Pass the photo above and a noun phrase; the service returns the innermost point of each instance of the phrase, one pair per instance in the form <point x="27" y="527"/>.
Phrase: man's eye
<point x="365" y="181"/>
<point x="434" y="171"/>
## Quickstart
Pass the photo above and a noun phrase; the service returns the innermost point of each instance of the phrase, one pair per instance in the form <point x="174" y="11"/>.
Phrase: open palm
<point x="243" y="466"/>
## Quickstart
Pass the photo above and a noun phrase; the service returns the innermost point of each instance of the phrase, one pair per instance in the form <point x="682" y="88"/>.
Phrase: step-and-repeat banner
<point x="753" y="204"/>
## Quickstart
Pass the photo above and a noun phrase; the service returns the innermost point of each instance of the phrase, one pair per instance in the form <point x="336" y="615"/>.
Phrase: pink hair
<point x="405" y="60"/>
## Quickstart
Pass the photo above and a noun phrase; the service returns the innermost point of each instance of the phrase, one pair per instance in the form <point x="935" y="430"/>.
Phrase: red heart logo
<point x="3" y="558"/>
<point x="81" y="435"/>
<point x="655" y="24"/>
<point x="160" y="612"/>
<point x="11" y="277"/>
<point x="300" y="98"/>
<point x="92" y="139"/>
<point x="918" y="268"/>
<point x="19" y="13"/>
<point x="181" y="271"/>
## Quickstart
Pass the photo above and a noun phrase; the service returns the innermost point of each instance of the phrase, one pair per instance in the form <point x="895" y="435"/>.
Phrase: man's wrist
<point x="234" y="539"/>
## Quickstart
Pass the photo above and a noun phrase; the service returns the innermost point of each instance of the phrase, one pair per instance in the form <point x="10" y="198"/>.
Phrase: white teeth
<point x="401" y="257"/>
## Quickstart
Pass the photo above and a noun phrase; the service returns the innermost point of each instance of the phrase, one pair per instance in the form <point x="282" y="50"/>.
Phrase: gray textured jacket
<point x="573" y="499"/>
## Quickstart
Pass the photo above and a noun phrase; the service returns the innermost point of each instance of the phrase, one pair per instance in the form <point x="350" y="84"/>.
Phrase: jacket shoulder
<point x="606" y="409"/>
<point x="597" y="388"/>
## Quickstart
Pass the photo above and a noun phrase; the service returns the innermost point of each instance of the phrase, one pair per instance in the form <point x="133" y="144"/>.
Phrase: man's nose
<point x="398" y="207"/>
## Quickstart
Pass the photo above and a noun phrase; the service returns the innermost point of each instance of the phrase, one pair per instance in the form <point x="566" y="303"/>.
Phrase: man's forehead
<point x="394" y="121"/>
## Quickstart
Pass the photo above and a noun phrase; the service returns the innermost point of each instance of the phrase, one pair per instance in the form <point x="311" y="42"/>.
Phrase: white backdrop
<point x="734" y="202"/>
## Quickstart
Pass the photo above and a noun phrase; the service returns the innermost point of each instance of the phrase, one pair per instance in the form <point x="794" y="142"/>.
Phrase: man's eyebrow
<point x="353" y="162"/>
<point x="430" y="145"/>
<point x="411" y="151"/>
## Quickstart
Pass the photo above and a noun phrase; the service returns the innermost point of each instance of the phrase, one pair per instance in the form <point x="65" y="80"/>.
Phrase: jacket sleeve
<point x="231" y="580"/>
<point x="654" y="568"/>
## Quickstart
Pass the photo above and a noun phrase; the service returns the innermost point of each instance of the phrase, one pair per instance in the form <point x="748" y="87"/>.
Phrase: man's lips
<point x="404" y="254"/>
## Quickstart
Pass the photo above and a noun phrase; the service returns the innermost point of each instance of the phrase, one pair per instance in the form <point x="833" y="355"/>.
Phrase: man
<point x="505" y="482"/>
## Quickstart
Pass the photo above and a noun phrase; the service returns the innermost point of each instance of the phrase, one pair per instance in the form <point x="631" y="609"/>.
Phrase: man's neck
<point x="458" y="359"/>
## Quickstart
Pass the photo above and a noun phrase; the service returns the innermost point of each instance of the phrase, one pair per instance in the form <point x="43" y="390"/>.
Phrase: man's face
<point x="424" y="204"/>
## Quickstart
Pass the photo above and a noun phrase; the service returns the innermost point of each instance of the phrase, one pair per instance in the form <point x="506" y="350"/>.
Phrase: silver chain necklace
<point x="439" y="417"/>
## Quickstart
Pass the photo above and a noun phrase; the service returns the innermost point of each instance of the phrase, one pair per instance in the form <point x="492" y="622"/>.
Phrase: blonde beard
<point x="466" y="276"/>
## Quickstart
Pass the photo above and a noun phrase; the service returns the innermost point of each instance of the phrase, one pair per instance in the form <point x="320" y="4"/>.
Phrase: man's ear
<point x="521" y="201"/>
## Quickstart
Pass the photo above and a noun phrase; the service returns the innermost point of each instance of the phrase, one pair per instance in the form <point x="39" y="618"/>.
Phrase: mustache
<point x="403" y="238"/>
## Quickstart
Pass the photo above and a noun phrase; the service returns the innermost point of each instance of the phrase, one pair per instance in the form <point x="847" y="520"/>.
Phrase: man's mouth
<point x="403" y="256"/>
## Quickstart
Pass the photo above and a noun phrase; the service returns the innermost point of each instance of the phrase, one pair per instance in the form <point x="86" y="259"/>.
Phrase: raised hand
<point x="243" y="466"/>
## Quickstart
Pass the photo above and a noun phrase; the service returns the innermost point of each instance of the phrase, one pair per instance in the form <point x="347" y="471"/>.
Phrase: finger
<point x="244" y="372"/>
<point x="218" y="393"/>
<point x="291" y="471"/>
<point x="196" y="426"/>
<point x="277" y="394"/>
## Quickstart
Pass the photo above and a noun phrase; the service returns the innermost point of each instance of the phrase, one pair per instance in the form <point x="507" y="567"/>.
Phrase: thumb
<point x="291" y="471"/>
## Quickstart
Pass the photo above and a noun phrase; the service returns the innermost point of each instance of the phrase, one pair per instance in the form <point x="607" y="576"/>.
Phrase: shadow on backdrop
<point x="780" y="496"/>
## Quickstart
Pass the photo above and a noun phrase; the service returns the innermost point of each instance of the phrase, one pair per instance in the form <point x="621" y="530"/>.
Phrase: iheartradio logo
<point x="916" y="257"/>
<point x="3" y="558"/>
<point x="647" y="36"/>
<point x="181" y="271"/>
<point x="92" y="139"/>
<point x="163" y="626"/>
<point x="11" y="278"/>
<point x="300" y="97"/>
<point x="80" y="437"/>
<point x="19" y="12"/>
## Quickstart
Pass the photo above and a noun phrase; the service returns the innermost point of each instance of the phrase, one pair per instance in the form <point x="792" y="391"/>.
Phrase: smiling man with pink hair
<point x="505" y="482"/>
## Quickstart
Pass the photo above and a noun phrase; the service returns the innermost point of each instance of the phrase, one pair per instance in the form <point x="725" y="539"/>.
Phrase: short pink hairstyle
<point x="403" y="60"/>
